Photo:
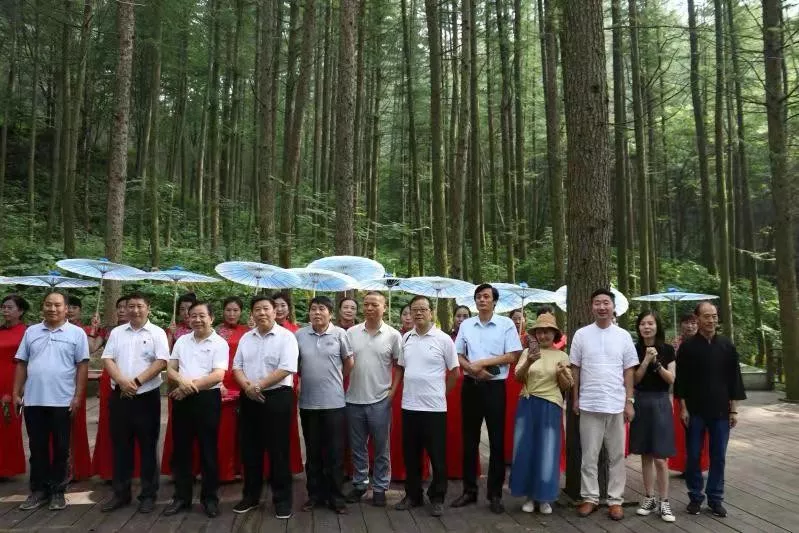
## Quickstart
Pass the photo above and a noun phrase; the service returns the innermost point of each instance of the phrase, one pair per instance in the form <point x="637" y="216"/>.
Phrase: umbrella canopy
<point x="622" y="304"/>
<point x="53" y="280"/>
<point x="438" y="287"/>
<point x="178" y="274"/>
<point x="258" y="275"/>
<point x="507" y="302"/>
<point x="388" y="283"/>
<point x="673" y="295"/>
<point x="528" y="294"/>
<point x="359" y="268"/>
<point x="101" y="268"/>
<point x="318" y="279"/>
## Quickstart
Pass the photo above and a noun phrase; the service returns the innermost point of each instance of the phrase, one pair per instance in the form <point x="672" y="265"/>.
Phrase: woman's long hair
<point x="660" y="333"/>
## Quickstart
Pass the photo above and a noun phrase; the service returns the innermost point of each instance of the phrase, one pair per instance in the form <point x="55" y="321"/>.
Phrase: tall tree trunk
<point x="475" y="169"/>
<point x="179" y="117"/>
<point x="291" y="170"/>
<point x="9" y="114"/>
<point x="549" y="69"/>
<point x="213" y="128"/>
<point x="155" y="93"/>
<point x="708" y="248"/>
<point x="783" y="193"/>
<point x="67" y="131"/>
<point x="118" y="151"/>
<point x="458" y="191"/>
<point x="416" y="194"/>
<point x="588" y="167"/>
<point x="620" y="142"/>
<point x="33" y="126"/>
<point x="374" y="174"/>
<point x="345" y="129"/>
<point x="360" y="99"/>
<point x="492" y="171"/>
<point x="518" y="95"/>
<point x="721" y="180"/>
<point x="641" y="161"/>
<point x="439" y="223"/>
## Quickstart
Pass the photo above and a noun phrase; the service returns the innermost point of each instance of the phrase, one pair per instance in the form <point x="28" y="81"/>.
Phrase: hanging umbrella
<point x="4" y="281"/>
<point x="53" y="279"/>
<point x="527" y="294"/>
<point x="438" y="287"/>
<point x="318" y="279"/>
<point x="388" y="283"/>
<point x="103" y="269"/>
<point x="258" y="275"/>
<point x="359" y="268"/>
<point x="673" y="295"/>
<point x="507" y="302"/>
<point x="621" y="302"/>
<point x="176" y="275"/>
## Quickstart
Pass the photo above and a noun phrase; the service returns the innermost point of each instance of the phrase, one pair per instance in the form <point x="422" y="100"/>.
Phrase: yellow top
<point x="542" y="380"/>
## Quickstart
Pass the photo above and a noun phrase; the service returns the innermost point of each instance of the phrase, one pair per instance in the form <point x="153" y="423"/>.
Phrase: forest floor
<point x="762" y="495"/>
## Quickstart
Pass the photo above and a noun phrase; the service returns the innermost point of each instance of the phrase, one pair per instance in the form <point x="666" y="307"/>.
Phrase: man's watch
<point x="631" y="400"/>
<point x="257" y="388"/>
<point x="137" y="382"/>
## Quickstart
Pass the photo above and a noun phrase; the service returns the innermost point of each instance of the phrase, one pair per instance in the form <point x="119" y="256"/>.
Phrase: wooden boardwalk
<point x="762" y="491"/>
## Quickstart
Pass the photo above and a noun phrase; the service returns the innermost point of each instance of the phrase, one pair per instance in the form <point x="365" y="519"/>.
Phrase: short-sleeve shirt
<point x="375" y="353"/>
<point x="134" y="350"/>
<point x="321" y="367"/>
<point x="542" y="378"/>
<point x="197" y="359"/>
<point x="52" y="356"/>
<point x="603" y="354"/>
<point x="652" y="381"/>
<point x="258" y="355"/>
<point x="426" y="359"/>
<point x="498" y="336"/>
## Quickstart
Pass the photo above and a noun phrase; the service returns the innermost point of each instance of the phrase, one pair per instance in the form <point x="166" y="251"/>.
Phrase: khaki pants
<point x="596" y="429"/>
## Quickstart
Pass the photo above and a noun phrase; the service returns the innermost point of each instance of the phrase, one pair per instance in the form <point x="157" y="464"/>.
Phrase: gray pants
<point x="597" y="429"/>
<point x="370" y="422"/>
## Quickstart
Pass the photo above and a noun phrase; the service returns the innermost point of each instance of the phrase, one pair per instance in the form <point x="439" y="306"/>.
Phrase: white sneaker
<point x="545" y="508"/>
<point x="665" y="512"/>
<point x="648" y="505"/>
<point x="529" y="506"/>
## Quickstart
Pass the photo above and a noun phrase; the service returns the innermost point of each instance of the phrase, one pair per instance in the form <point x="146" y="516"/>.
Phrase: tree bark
<point x="155" y="93"/>
<point x="475" y="170"/>
<point x="519" y="165"/>
<point x="33" y="126"/>
<point x="9" y="112"/>
<point x="213" y="128"/>
<point x="621" y="179"/>
<point x="458" y="184"/>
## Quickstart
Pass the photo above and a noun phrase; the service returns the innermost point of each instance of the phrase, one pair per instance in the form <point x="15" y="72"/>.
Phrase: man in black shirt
<point x="709" y="386"/>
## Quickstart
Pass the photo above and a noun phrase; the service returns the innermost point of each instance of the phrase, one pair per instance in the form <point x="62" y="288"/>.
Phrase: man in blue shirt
<point x="52" y="369"/>
<point x="486" y="344"/>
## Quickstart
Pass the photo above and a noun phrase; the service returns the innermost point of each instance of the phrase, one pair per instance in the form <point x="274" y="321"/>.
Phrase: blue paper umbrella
<point x="621" y="302"/>
<point x="318" y="279"/>
<point x="53" y="280"/>
<point x="258" y="275"/>
<point x="176" y="275"/>
<point x="101" y="268"/>
<point x="388" y="283"/>
<point x="507" y="302"/>
<point x="438" y="287"/>
<point x="673" y="295"/>
<point x="359" y="268"/>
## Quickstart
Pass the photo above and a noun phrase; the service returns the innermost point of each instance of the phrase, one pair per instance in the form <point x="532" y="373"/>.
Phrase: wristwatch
<point x="257" y="388"/>
<point x="631" y="400"/>
<point x="137" y="382"/>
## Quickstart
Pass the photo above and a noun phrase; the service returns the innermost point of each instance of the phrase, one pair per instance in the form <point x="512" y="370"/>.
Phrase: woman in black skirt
<point x="652" y="429"/>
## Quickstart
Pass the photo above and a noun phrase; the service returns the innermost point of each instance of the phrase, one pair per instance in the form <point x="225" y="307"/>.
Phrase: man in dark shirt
<point x="709" y="386"/>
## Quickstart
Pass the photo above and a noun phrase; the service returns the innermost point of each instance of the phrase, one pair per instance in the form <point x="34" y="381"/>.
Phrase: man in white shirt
<point x="135" y="355"/>
<point x="486" y="344"/>
<point x="431" y="370"/>
<point x="196" y="369"/>
<point x="603" y="358"/>
<point x="264" y="368"/>
<point x="373" y="383"/>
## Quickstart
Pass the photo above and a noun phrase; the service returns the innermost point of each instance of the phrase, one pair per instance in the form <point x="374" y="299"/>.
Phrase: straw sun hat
<point x="545" y="320"/>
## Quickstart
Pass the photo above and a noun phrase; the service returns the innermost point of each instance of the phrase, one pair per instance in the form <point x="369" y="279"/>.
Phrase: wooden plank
<point x="325" y="520"/>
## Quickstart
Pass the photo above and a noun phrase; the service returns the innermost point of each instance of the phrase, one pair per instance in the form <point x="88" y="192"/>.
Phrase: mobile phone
<point x="494" y="370"/>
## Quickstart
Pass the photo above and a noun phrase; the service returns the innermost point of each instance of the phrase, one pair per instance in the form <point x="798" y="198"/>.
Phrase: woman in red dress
<point x="454" y="415"/>
<point x="12" y="458"/>
<point x="80" y="460"/>
<point x="284" y="316"/>
<point x="512" y="387"/>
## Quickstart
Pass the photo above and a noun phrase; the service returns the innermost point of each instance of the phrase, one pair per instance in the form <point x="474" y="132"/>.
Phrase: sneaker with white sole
<point x="665" y="512"/>
<point x="648" y="506"/>
<point x="529" y="506"/>
<point x="545" y="508"/>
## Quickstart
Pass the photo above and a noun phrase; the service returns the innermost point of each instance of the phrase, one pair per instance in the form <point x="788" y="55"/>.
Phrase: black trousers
<point x="266" y="426"/>
<point x="483" y="400"/>
<point x="196" y="416"/>
<point x="323" y="430"/>
<point x="135" y="419"/>
<point x="43" y="425"/>
<point x="425" y="431"/>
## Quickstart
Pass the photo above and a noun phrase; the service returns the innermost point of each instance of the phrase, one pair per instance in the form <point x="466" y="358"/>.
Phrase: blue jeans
<point x="718" y="430"/>
<point x="370" y="421"/>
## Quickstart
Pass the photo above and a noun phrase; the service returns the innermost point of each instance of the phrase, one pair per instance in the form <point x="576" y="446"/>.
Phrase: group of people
<point x="343" y="376"/>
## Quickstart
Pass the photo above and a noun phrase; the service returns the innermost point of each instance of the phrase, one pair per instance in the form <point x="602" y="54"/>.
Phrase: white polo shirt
<point x="603" y="354"/>
<point x="197" y="359"/>
<point x="426" y="359"/>
<point x="375" y="353"/>
<point x="259" y="355"/>
<point x="134" y="350"/>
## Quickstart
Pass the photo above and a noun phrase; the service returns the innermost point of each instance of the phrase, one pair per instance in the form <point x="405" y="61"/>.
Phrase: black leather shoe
<point x="464" y="499"/>
<point x="211" y="509"/>
<point x="113" y="504"/>
<point x="355" y="495"/>
<point x="496" y="506"/>
<point x="146" y="506"/>
<point x="176" y="506"/>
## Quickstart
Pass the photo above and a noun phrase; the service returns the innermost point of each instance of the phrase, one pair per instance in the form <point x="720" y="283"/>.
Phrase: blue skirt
<point x="535" y="472"/>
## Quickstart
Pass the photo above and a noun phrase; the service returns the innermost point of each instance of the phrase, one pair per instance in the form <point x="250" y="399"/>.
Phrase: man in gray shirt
<point x="373" y="383"/>
<point x="325" y="358"/>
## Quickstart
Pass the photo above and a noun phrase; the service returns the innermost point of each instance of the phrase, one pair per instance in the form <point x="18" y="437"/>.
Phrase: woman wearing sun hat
<point x="544" y="374"/>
